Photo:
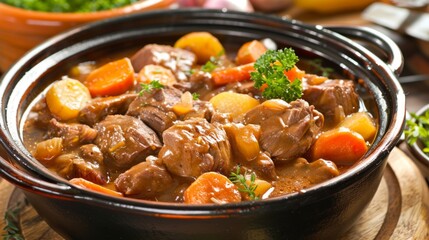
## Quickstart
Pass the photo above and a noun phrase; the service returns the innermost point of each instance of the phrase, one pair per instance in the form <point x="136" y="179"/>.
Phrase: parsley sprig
<point x="244" y="185"/>
<point x="270" y="68"/>
<point x="148" y="87"/>
<point x="12" y="229"/>
<point x="418" y="128"/>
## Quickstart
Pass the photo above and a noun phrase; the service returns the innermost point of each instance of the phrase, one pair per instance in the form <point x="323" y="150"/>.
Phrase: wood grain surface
<point x="399" y="209"/>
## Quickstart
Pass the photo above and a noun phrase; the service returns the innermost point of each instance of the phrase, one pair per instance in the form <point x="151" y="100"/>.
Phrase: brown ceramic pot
<point x="20" y="29"/>
<point x="324" y="211"/>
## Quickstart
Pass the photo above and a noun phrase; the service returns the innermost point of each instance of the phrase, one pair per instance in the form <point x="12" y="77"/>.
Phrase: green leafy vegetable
<point x="270" y="72"/>
<point x="68" y="6"/>
<point x="148" y="87"/>
<point x="418" y="128"/>
<point x="240" y="179"/>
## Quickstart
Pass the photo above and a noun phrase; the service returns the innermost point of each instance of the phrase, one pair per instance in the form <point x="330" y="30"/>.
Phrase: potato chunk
<point x="236" y="104"/>
<point x="66" y="98"/>
<point x="203" y="44"/>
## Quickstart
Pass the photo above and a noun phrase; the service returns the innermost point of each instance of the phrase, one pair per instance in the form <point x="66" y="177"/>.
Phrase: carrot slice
<point x="211" y="187"/>
<point x="158" y="73"/>
<point x="111" y="79"/>
<point x="233" y="74"/>
<point x="250" y="52"/>
<point x="95" y="187"/>
<point x="294" y="73"/>
<point x="340" y="145"/>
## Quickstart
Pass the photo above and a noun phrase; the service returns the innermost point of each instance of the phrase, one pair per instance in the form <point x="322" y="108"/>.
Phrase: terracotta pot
<point x="21" y="30"/>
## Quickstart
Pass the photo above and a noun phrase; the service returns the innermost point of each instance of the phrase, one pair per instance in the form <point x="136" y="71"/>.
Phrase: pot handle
<point x="395" y="59"/>
<point x="23" y="180"/>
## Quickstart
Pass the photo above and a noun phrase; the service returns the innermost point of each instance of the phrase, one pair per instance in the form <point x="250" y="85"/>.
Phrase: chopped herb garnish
<point x="148" y="87"/>
<point x="195" y="96"/>
<point x="190" y="72"/>
<point x="418" y="128"/>
<point x="209" y="66"/>
<point x="212" y="64"/>
<point x="243" y="185"/>
<point x="270" y="73"/>
<point x="317" y="65"/>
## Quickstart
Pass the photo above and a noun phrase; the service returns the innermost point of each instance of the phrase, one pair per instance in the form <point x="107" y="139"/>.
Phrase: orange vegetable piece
<point x="233" y="74"/>
<point x="113" y="78"/>
<point x="65" y="98"/>
<point x="203" y="44"/>
<point x="340" y="145"/>
<point x="211" y="187"/>
<point x="294" y="73"/>
<point x="250" y="52"/>
<point x="158" y="73"/>
<point x="95" y="187"/>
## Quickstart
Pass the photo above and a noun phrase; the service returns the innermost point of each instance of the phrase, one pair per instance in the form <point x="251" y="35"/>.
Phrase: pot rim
<point x="375" y="157"/>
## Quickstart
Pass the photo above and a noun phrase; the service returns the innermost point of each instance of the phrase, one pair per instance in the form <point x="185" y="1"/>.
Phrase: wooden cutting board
<point x="399" y="209"/>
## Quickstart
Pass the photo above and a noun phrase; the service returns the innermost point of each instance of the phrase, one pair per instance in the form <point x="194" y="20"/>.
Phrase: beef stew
<point x="170" y="124"/>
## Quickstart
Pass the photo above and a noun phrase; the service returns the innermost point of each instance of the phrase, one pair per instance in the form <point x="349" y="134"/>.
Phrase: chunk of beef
<point x="247" y="88"/>
<point x="99" y="108"/>
<point x="73" y="166"/>
<point x="39" y="115"/>
<point x="200" y="109"/>
<point x="287" y="130"/>
<point x="201" y="82"/>
<point x="125" y="140"/>
<point x="195" y="146"/>
<point x="144" y="180"/>
<point x="179" y="61"/>
<point x="88" y="171"/>
<point x="157" y="119"/>
<point x="92" y="153"/>
<point x="221" y="118"/>
<point x="155" y="108"/>
<point x="335" y="99"/>
<point x="73" y="134"/>
<point x="298" y="174"/>
<point x="263" y="166"/>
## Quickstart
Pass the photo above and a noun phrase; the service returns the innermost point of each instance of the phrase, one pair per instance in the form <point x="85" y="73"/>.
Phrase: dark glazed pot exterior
<point x="322" y="212"/>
